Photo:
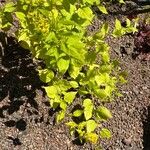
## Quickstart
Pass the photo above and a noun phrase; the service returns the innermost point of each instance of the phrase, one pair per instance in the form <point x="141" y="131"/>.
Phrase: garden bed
<point x="27" y="121"/>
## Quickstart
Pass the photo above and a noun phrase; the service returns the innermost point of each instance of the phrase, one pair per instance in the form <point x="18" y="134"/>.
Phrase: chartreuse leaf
<point x="71" y="124"/>
<point x="9" y="7"/>
<point x="101" y="93"/>
<point x="83" y="91"/>
<point x="23" y="36"/>
<point x="63" y="105"/>
<point x="122" y="80"/>
<point x="105" y="133"/>
<point x="85" y="13"/>
<point x="74" y="84"/>
<point x="77" y="113"/>
<point x="51" y="91"/>
<point x="103" y="9"/>
<point x="121" y="1"/>
<point x="118" y="30"/>
<point x="55" y="102"/>
<point x="90" y="125"/>
<point x="128" y="22"/>
<point x="74" y="71"/>
<point x="122" y="77"/>
<point x="62" y="85"/>
<point x="88" y="108"/>
<point x="75" y="48"/>
<point x="91" y="1"/>
<point x="105" y="57"/>
<point x="91" y="137"/>
<point x="87" y="103"/>
<point x="69" y="97"/>
<point x="118" y="24"/>
<point x="63" y="65"/>
<point x="102" y="79"/>
<point x="103" y="113"/>
<point x="105" y="92"/>
<point x="21" y="16"/>
<point x="46" y="75"/>
<point x="60" y="116"/>
<point x="102" y="33"/>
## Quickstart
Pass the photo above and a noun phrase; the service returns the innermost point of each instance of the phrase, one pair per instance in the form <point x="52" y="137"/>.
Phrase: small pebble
<point x="127" y="141"/>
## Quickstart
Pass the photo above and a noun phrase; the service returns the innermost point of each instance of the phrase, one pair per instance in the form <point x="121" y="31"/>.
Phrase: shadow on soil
<point x="18" y="83"/>
<point x="146" y="131"/>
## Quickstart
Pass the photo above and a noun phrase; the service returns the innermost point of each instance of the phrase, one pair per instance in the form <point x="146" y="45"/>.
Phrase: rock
<point x="127" y="141"/>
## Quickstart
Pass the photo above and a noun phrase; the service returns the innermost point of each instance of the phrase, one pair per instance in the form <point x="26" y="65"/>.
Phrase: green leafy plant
<point x="56" y="32"/>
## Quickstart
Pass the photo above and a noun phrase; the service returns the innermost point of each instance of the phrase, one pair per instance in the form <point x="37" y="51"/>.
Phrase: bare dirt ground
<point x="27" y="121"/>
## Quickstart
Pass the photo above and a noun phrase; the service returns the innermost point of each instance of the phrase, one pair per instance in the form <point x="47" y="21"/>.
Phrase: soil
<point x="27" y="121"/>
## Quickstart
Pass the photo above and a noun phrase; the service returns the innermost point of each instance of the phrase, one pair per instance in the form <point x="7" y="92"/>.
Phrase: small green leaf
<point x="63" y="65"/>
<point x="105" y="133"/>
<point x="122" y="80"/>
<point x="71" y="124"/>
<point x="63" y="105"/>
<point x="74" y="71"/>
<point x="51" y="91"/>
<point x="121" y="1"/>
<point x="87" y="103"/>
<point x="46" y="75"/>
<point x="87" y="114"/>
<point x="20" y="15"/>
<point x="82" y="125"/>
<point x="74" y="84"/>
<point x="25" y="44"/>
<point x="60" y="116"/>
<point x="103" y="9"/>
<point x="105" y="57"/>
<point x="91" y="137"/>
<point x="90" y="125"/>
<point x="85" y="13"/>
<point x="103" y="113"/>
<point x="88" y="108"/>
<point x="9" y="7"/>
<point x="118" y="30"/>
<point x="128" y="22"/>
<point x="118" y="24"/>
<point x="69" y="97"/>
<point x="77" y="113"/>
<point x="83" y="91"/>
